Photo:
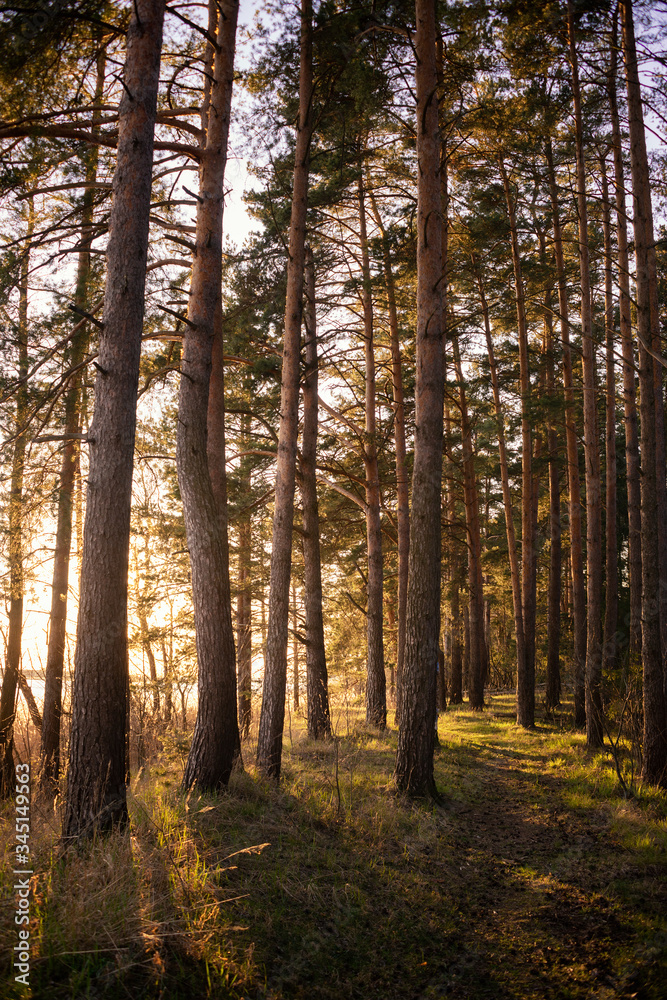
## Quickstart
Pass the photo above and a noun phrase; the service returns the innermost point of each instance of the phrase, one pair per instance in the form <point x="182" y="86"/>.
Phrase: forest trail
<point x="536" y="879"/>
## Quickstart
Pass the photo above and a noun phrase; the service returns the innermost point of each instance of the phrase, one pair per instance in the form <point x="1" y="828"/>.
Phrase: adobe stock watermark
<point x="23" y="871"/>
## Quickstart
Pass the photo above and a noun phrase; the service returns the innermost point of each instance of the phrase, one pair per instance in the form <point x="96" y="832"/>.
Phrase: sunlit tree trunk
<point x="244" y="602"/>
<point x="317" y="689"/>
<point x="414" y="758"/>
<point x="571" y="442"/>
<point x="655" y="735"/>
<point x="555" y="554"/>
<point x="454" y="575"/>
<point x="270" y="742"/>
<point x="96" y="778"/>
<point x="10" y="679"/>
<point x="525" y="687"/>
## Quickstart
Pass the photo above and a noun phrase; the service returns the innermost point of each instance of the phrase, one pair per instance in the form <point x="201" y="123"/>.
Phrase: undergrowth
<point x="538" y="878"/>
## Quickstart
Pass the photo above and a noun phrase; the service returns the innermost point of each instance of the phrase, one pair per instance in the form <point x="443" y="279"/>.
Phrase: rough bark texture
<point x="574" y="501"/>
<point x="200" y="436"/>
<point x="594" y="730"/>
<point x="317" y="690"/>
<point x="244" y="602"/>
<point x="376" y="694"/>
<point x="55" y="656"/>
<point x="609" y="642"/>
<point x="655" y="737"/>
<point x="96" y="778"/>
<point x="414" y="758"/>
<point x="525" y="683"/>
<point x="270" y="742"/>
<point x="515" y="573"/>
<point x="10" y="679"/>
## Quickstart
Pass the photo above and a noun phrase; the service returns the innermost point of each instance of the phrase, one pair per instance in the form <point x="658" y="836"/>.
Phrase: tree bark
<point x="96" y="778"/>
<point x="270" y="742"/>
<point x="200" y="436"/>
<point x="376" y="693"/>
<point x="594" y="729"/>
<point x="244" y="602"/>
<point x="414" y="758"/>
<point x="655" y="736"/>
<point x="609" y="644"/>
<point x="10" y="679"/>
<point x="627" y="347"/>
<point x="525" y="685"/>
<point x="555" y="555"/>
<point x="317" y="691"/>
<point x="574" y="502"/>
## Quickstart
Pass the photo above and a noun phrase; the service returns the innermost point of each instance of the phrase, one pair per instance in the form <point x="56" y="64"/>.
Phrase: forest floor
<point x="537" y="878"/>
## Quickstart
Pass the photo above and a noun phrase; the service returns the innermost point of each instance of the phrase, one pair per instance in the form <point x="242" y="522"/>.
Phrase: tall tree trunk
<point x="525" y="685"/>
<point x="200" y="437"/>
<point x="10" y="678"/>
<point x="55" y="657"/>
<point x="414" y="757"/>
<point x="402" y="479"/>
<point x="270" y="742"/>
<point x="574" y="502"/>
<point x="317" y="691"/>
<point x="477" y="662"/>
<point x="594" y="730"/>
<point x="555" y="555"/>
<point x="515" y="576"/>
<point x="376" y="694"/>
<point x="244" y="603"/>
<point x="96" y="778"/>
<point x="627" y="347"/>
<point x="453" y="576"/>
<point x="655" y="736"/>
<point x="609" y="645"/>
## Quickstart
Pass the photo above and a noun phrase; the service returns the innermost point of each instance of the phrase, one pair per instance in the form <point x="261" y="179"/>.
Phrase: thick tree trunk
<point x="414" y="758"/>
<point x="629" y="388"/>
<point x="376" y="694"/>
<point x="515" y="576"/>
<point x="10" y="679"/>
<point x="525" y="686"/>
<point x="270" y="742"/>
<point x="317" y="690"/>
<point x="96" y="778"/>
<point x="402" y="479"/>
<point x="477" y="661"/>
<point x="655" y="735"/>
<point x="594" y="727"/>
<point x="574" y="502"/>
<point x="55" y="657"/>
<point x="200" y="436"/>
<point x="609" y="645"/>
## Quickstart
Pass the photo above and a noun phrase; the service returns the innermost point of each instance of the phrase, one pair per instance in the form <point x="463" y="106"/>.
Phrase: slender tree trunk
<point x="270" y="742"/>
<point x="655" y="735"/>
<point x="295" y="650"/>
<point x="627" y="347"/>
<point x="402" y="479"/>
<point x="200" y="437"/>
<point x="244" y="604"/>
<point x="555" y="555"/>
<point x="414" y="758"/>
<point x="609" y="646"/>
<point x="515" y="576"/>
<point x="317" y="691"/>
<point x="474" y="545"/>
<point x="55" y="657"/>
<point x="574" y="503"/>
<point x="525" y="687"/>
<point x="96" y="778"/>
<point x="376" y="695"/>
<point x="454" y="576"/>
<point x="10" y="679"/>
<point x="594" y="729"/>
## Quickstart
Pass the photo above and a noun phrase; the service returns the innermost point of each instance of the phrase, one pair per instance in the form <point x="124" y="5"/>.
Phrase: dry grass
<point x="536" y="880"/>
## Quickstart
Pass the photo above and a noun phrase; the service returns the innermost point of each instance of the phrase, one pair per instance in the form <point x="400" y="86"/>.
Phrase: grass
<point x="537" y="879"/>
